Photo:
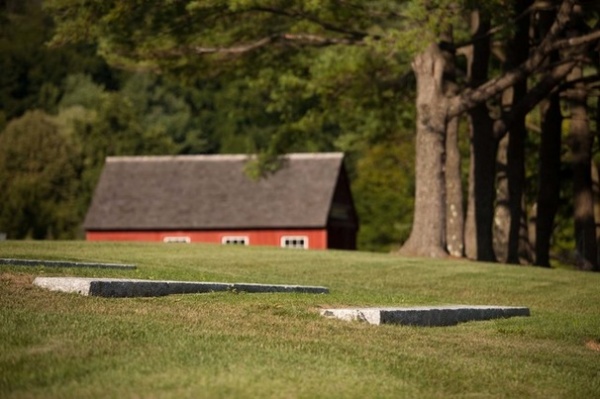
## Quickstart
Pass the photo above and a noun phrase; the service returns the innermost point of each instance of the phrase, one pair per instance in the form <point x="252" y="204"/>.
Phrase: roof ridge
<point x="218" y="157"/>
<point x="157" y="158"/>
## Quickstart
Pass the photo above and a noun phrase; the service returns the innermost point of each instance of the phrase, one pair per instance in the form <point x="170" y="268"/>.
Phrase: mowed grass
<point x="239" y="345"/>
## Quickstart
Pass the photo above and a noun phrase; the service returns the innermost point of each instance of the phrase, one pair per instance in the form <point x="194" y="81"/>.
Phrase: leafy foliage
<point x="32" y="73"/>
<point x="38" y="179"/>
<point x="383" y="190"/>
<point x="113" y="126"/>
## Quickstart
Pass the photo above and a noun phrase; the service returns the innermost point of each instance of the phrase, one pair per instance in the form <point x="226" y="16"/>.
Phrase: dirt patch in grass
<point x="18" y="288"/>
<point x="18" y="281"/>
<point x="593" y="344"/>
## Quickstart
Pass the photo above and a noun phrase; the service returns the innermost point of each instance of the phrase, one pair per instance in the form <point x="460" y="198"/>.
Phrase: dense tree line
<point x="506" y="107"/>
<point x="545" y="53"/>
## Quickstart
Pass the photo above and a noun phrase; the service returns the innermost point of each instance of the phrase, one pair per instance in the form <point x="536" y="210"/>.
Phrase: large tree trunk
<point x="428" y="236"/>
<point x="480" y="212"/>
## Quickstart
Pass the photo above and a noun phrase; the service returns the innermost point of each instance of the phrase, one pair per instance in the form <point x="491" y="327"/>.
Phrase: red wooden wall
<point x="317" y="238"/>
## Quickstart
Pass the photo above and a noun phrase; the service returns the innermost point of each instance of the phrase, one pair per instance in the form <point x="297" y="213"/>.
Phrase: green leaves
<point x="383" y="191"/>
<point x="38" y="175"/>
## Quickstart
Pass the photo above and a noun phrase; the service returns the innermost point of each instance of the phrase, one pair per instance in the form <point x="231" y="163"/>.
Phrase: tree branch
<point x="244" y="48"/>
<point x="533" y="97"/>
<point x="471" y="98"/>
<point x="576" y="41"/>
<point x="590" y="82"/>
<point x="302" y="39"/>
<point x="356" y="35"/>
<point x="316" y="40"/>
<point x="494" y="30"/>
<point x="552" y="80"/>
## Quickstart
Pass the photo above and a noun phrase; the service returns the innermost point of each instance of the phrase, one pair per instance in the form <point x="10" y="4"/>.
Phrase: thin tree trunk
<point x="470" y="225"/>
<point x="548" y="172"/>
<point x="516" y="183"/>
<point x="596" y="181"/>
<point x="517" y="53"/>
<point x="480" y="212"/>
<point x="455" y="222"/>
<point x="484" y="166"/>
<point x="548" y="196"/>
<point x="454" y="206"/>
<point x="596" y="194"/>
<point x="581" y="140"/>
<point x="502" y="209"/>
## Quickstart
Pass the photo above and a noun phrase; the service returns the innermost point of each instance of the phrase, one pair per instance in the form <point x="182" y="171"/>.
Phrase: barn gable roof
<point x="212" y="192"/>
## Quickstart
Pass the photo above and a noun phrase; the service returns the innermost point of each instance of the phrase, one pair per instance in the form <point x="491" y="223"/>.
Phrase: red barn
<point x="209" y="198"/>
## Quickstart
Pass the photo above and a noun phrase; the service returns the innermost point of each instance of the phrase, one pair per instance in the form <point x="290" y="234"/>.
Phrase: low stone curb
<point x="63" y="263"/>
<point x="120" y="288"/>
<point x="428" y="316"/>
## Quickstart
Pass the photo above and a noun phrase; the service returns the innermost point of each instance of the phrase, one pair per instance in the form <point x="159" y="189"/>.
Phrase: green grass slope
<point x="228" y="345"/>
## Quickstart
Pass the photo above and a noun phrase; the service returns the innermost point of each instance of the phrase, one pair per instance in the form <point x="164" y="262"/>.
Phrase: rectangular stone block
<point x="118" y="288"/>
<point x="63" y="263"/>
<point x="426" y="315"/>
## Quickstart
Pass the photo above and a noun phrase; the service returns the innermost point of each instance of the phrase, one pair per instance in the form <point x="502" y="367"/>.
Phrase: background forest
<point x="64" y="109"/>
<point x="72" y="95"/>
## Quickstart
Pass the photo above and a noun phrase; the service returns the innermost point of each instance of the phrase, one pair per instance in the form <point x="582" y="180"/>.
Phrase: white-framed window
<point x="294" y="242"/>
<point x="235" y="240"/>
<point x="177" y="240"/>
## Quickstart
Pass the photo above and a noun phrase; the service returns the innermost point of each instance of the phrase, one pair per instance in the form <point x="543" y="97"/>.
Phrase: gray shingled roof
<point x="212" y="192"/>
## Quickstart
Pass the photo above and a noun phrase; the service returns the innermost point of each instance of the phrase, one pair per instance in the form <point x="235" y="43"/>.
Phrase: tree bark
<point x="548" y="195"/>
<point x="455" y="222"/>
<point x="596" y="181"/>
<point x="502" y="209"/>
<point x="596" y="198"/>
<point x="480" y="213"/>
<point x="428" y="236"/>
<point x="549" y="184"/>
<point x="517" y="54"/>
<point x="580" y="142"/>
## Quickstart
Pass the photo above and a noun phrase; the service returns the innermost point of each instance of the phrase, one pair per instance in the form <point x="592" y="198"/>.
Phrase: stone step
<point x="426" y="315"/>
<point x="62" y="263"/>
<point x="118" y="288"/>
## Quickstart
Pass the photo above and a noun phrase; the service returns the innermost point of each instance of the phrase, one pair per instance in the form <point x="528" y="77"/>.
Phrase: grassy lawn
<point x="228" y="345"/>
